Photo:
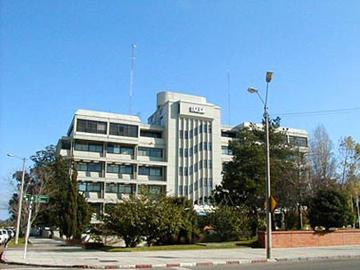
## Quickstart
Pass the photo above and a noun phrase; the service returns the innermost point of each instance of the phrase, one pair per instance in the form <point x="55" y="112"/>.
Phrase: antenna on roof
<point x="133" y="47"/>
<point x="228" y="88"/>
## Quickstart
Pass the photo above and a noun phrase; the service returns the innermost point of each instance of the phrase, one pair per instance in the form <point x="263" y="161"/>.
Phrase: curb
<point x="193" y="264"/>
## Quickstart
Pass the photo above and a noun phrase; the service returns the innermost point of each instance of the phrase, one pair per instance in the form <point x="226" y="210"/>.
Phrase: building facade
<point x="179" y="152"/>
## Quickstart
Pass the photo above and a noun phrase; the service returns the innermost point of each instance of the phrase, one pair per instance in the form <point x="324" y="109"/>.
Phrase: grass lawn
<point x="21" y="243"/>
<point x="220" y="245"/>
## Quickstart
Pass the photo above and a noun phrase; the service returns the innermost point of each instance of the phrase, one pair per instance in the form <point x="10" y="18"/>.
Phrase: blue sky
<point x="58" y="56"/>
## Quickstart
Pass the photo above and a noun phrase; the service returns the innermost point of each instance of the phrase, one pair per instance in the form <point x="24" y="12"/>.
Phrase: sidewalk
<point x="45" y="252"/>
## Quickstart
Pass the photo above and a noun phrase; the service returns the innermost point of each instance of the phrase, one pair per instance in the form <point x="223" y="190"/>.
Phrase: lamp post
<point x="20" y="198"/>
<point x="267" y="147"/>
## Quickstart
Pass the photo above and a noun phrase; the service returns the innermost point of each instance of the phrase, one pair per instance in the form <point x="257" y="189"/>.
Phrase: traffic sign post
<point x="32" y="199"/>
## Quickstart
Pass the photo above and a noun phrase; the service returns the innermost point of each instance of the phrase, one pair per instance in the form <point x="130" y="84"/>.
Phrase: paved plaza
<point x="47" y="252"/>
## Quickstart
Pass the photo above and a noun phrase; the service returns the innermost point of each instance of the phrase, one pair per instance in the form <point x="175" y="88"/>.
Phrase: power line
<point x="319" y="113"/>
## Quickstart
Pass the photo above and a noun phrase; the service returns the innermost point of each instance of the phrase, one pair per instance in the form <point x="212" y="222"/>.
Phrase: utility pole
<point x="268" y="198"/>
<point x="20" y="198"/>
<point x="28" y="226"/>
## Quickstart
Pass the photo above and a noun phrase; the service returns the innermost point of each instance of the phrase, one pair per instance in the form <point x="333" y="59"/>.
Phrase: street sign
<point x="273" y="204"/>
<point x="41" y="199"/>
<point x="36" y="198"/>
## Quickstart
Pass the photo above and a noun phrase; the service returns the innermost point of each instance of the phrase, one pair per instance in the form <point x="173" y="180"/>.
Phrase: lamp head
<point x="252" y="90"/>
<point x="269" y="76"/>
<point x="10" y="155"/>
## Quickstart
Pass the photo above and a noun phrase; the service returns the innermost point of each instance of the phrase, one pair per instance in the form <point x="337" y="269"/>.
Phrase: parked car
<point x="11" y="232"/>
<point x="4" y="236"/>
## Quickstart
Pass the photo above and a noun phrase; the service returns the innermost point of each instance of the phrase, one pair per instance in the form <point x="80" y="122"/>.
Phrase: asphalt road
<point x="349" y="264"/>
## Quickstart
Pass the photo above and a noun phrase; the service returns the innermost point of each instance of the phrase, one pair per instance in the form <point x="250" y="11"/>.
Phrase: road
<point x="349" y="264"/>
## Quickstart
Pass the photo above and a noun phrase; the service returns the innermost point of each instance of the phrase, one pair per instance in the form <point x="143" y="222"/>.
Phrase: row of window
<point x="122" y="169"/>
<point x="118" y="149"/>
<point x="116" y="129"/>
<point x="150" y="152"/>
<point x="185" y="171"/>
<point x="203" y="146"/>
<point x="150" y="171"/>
<point x="188" y="134"/>
<point x="88" y="147"/>
<point x="119" y="169"/>
<point x="119" y="188"/>
<point x="298" y="141"/>
<point x="206" y="183"/>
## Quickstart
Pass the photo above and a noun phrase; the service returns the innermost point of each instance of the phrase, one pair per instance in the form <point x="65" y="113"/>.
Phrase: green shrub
<point x="329" y="208"/>
<point x="229" y="223"/>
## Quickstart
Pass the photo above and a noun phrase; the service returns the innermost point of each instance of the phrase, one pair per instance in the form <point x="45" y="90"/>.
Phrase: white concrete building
<point x="180" y="151"/>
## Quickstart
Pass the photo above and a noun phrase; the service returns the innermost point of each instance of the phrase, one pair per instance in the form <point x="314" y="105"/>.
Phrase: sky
<point x="59" y="56"/>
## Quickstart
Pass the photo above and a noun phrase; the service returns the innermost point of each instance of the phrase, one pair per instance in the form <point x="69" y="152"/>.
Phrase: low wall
<point x="288" y="239"/>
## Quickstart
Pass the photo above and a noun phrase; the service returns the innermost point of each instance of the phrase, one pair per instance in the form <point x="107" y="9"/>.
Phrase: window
<point x="150" y="152"/>
<point x="226" y="150"/>
<point x="205" y="146"/>
<point x="210" y="146"/>
<point x="195" y="131"/>
<point x="181" y="152"/>
<point x="123" y="130"/>
<point x="200" y="146"/>
<point x="126" y="189"/>
<point x="181" y="134"/>
<point x="91" y="126"/>
<point x="191" y="170"/>
<point x="93" y="187"/>
<point x="151" y="171"/>
<point x="119" y="149"/>
<point x="82" y="186"/>
<point x="155" y="189"/>
<point x="186" y="152"/>
<point x="228" y="134"/>
<point x="195" y="167"/>
<point x="88" y="147"/>
<point x="205" y="128"/>
<point x="150" y="133"/>
<point x="185" y="171"/>
<point x="111" y="188"/>
<point x="298" y="141"/>
<point x="180" y="171"/>
<point x="195" y="149"/>
<point x="186" y="134"/>
<point x="123" y="169"/>
<point x="89" y="167"/>
<point x="190" y="133"/>
<point x="65" y="144"/>
<point x="180" y="190"/>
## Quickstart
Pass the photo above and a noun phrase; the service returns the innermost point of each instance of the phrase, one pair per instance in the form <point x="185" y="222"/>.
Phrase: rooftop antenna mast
<point x="133" y="47"/>
<point x="229" y="105"/>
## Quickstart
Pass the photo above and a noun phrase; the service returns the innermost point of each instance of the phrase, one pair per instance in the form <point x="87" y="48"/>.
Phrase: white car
<point x="4" y="236"/>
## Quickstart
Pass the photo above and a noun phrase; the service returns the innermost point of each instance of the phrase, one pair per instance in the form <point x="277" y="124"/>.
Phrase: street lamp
<point x="253" y="90"/>
<point x="20" y="198"/>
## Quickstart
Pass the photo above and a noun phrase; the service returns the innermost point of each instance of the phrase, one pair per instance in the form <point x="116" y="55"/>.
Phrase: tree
<point x="128" y="220"/>
<point x="229" y="222"/>
<point x="66" y="209"/>
<point x="244" y="177"/>
<point x="349" y="156"/>
<point x="329" y="208"/>
<point x="322" y="158"/>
